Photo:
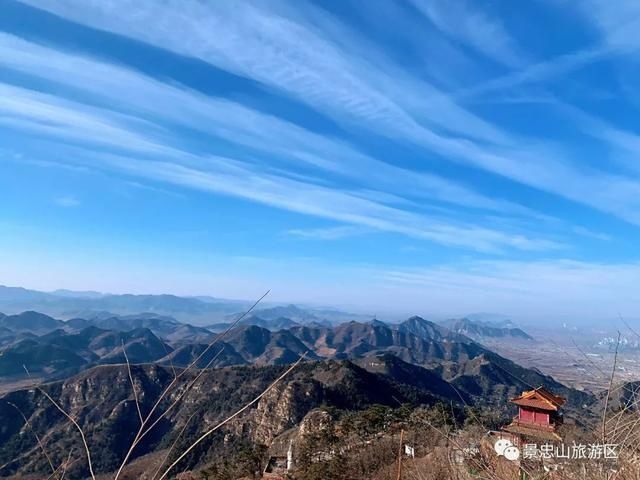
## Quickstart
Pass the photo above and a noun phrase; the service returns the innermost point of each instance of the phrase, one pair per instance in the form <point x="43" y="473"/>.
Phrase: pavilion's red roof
<point x="539" y="398"/>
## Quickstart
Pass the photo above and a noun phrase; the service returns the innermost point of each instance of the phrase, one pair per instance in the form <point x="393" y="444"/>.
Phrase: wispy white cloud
<point x="624" y="144"/>
<point x="130" y="91"/>
<point x="586" y="232"/>
<point x="48" y="115"/>
<point x="230" y="177"/>
<point x="306" y="54"/>
<point x="67" y="201"/>
<point x="573" y="291"/>
<point x="537" y="72"/>
<point x="290" y="55"/>
<point x="617" y="24"/>
<point x="96" y="127"/>
<point x="329" y="233"/>
<point x="284" y="52"/>
<point x="151" y="188"/>
<point x="464" y="22"/>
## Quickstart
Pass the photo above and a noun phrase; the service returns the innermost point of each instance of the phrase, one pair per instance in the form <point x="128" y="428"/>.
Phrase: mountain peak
<point x="428" y="330"/>
<point x="30" y="321"/>
<point x="483" y="330"/>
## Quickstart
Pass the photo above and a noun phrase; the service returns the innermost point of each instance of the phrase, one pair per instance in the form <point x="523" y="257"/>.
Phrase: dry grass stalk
<point x="231" y="417"/>
<point x="72" y="420"/>
<point x="78" y="427"/>
<point x="133" y="385"/>
<point x="400" y="455"/>
<point x="166" y="457"/>
<point x="65" y="465"/>
<point x="606" y="400"/>
<point x="178" y="398"/>
<point x="142" y="431"/>
<point x="216" y="339"/>
<point x="26" y="422"/>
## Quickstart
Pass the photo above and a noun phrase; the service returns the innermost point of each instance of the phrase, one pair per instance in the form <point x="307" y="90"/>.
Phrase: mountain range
<point x="59" y="352"/>
<point x="108" y="416"/>
<point x="296" y="406"/>
<point x="69" y="304"/>
<point x="202" y="310"/>
<point x="348" y="366"/>
<point x="79" y="343"/>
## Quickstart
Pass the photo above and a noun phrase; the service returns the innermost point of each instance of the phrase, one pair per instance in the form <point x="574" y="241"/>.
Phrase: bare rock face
<point x="282" y="408"/>
<point x="315" y="421"/>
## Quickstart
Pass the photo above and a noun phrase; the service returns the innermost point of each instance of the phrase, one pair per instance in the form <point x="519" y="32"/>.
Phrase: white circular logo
<point x="507" y="449"/>
<point x="512" y="453"/>
<point x="501" y="445"/>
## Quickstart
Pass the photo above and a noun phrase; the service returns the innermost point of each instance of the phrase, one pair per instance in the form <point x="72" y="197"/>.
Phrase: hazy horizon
<point x="392" y="315"/>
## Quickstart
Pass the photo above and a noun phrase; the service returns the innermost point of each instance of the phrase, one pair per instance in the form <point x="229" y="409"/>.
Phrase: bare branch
<point x="133" y="385"/>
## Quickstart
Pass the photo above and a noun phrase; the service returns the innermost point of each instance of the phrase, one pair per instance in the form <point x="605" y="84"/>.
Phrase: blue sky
<point x="420" y="156"/>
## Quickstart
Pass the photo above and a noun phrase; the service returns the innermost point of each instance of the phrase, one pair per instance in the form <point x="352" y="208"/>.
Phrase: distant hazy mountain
<point x="199" y="311"/>
<point x="33" y="322"/>
<point x="335" y="316"/>
<point x="76" y="294"/>
<point x="261" y="346"/>
<point x="58" y="351"/>
<point x="429" y="330"/>
<point x="291" y="312"/>
<point x="305" y="315"/>
<point x="210" y="299"/>
<point x="36" y="323"/>
<point x="68" y="304"/>
<point x="481" y="330"/>
<point x="19" y="294"/>
<point x="163" y="326"/>
<point x="492" y="319"/>
<point x="273" y="324"/>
